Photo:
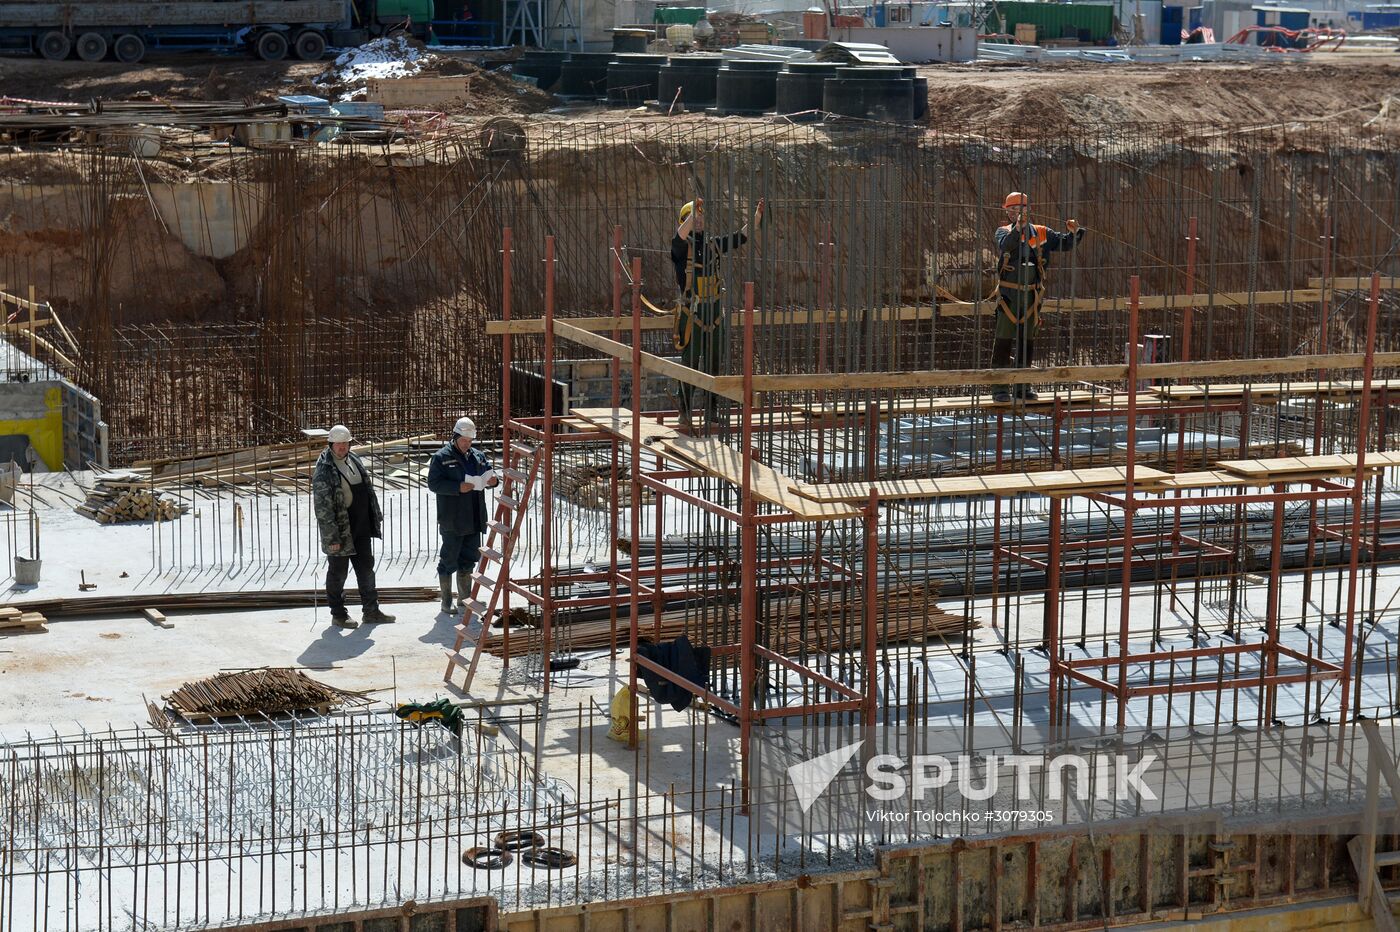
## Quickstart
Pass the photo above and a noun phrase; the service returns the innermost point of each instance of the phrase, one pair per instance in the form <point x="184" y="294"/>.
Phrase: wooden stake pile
<point x="114" y="505"/>
<point x="15" y="621"/>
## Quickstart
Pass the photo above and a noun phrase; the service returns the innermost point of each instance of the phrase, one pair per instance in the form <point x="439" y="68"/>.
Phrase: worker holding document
<point x="459" y="475"/>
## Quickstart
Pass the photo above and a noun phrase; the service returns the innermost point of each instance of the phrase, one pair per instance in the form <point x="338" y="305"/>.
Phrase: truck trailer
<point x="269" y="29"/>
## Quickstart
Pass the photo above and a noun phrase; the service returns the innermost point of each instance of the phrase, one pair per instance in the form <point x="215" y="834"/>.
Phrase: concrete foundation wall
<point x="1285" y="879"/>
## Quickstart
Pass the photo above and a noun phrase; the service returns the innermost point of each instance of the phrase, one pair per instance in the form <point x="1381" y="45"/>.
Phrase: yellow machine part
<point x="45" y="433"/>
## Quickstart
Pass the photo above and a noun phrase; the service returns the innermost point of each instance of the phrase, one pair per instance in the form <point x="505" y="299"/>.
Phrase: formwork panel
<point x="1053" y="885"/>
<point x="1012" y="887"/>
<point x="938" y="891"/>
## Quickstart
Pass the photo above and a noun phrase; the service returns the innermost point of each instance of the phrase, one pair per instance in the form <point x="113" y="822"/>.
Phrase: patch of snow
<point x="384" y="57"/>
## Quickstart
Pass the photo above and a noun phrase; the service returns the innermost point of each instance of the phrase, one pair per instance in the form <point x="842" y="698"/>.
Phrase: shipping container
<point x="1088" y="22"/>
<point x="687" y="15"/>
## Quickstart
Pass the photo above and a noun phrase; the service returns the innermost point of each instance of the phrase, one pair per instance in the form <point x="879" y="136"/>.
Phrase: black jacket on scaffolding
<point x="678" y="656"/>
<point x="457" y="511"/>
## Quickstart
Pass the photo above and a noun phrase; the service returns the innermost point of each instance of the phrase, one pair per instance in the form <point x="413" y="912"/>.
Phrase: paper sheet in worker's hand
<point x="479" y="483"/>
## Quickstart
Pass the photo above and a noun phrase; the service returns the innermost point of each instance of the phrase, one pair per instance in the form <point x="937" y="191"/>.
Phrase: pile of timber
<point x="822" y="622"/>
<point x="14" y="620"/>
<point x="268" y="691"/>
<point x="116" y="504"/>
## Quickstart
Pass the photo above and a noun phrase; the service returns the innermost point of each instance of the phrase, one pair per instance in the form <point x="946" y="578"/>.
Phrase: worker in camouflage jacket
<point x="347" y="511"/>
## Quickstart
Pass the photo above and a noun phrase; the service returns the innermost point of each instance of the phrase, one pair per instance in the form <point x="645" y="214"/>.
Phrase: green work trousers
<point x="1015" y="338"/>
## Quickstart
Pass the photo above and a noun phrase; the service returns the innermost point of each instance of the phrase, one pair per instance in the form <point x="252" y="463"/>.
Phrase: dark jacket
<point x="700" y="255"/>
<point x="1022" y="259"/>
<point x="457" y="511"/>
<point x="333" y="508"/>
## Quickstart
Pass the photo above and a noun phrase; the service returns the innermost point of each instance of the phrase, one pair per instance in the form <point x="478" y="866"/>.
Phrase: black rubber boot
<point x="464" y="590"/>
<point x="445" y="589"/>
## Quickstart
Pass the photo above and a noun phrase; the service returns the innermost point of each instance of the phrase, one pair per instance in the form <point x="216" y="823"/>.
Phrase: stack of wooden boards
<point x="822" y="622"/>
<point x="15" y="620"/>
<point x="107" y="505"/>
<point x="262" y="470"/>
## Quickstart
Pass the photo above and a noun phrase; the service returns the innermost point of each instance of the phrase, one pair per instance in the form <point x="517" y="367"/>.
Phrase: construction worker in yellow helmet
<point x="702" y="326"/>
<point x="1021" y="264"/>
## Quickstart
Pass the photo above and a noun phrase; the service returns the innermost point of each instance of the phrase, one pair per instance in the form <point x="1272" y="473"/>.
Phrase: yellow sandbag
<point x="620" y="709"/>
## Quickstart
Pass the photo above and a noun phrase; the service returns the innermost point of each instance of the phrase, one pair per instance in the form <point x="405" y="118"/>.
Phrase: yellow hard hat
<point x="687" y="209"/>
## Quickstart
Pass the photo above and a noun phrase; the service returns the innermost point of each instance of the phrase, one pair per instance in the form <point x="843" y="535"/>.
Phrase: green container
<point x="1059" y="20"/>
<point x="420" y="11"/>
<point x="670" y="15"/>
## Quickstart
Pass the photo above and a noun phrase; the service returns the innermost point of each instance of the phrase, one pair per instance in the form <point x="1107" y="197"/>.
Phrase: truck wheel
<point x="272" y="46"/>
<point x="310" y="45"/>
<point x="129" y="48"/>
<point x="54" y="46"/>
<point x="91" y="47"/>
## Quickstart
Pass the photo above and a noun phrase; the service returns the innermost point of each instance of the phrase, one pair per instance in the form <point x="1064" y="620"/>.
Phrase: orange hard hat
<point x="1016" y="199"/>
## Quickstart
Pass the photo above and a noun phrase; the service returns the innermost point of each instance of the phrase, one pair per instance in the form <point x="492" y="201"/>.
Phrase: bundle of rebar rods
<point x="268" y="691"/>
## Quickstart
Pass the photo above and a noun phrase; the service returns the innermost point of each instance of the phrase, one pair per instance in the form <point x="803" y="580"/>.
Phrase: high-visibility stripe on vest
<point x="1035" y="238"/>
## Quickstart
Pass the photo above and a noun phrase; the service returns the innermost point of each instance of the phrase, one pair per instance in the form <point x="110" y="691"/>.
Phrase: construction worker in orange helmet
<point x="1021" y="264"/>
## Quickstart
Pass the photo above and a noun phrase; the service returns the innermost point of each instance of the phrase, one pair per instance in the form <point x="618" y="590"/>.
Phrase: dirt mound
<point x="1047" y="98"/>
<point x="41" y="168"/>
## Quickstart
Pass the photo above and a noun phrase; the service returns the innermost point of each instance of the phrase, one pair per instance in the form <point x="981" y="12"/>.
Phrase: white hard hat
<point x="465" y="427"/>
<point x="339" y="434"/>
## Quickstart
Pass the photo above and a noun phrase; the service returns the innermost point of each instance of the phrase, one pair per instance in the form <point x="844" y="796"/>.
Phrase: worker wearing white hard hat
<point x="349" y="517"/>
<point x="458" y="475"/>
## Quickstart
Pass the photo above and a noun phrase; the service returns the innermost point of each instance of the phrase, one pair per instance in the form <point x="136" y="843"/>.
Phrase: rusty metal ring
<point x="551" y="858"/>
<point x="519" y="839"/>
<point x="487" y="859"/>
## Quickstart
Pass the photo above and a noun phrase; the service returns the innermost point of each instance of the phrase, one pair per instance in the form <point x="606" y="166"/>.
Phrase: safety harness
<point x="698" y="287"/>
<point x="1007" y="273"/>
